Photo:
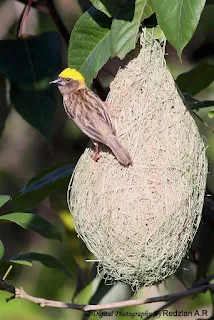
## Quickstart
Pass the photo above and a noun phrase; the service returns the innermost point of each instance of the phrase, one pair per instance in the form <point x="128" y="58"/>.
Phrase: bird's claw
<point x="95" y="156"/>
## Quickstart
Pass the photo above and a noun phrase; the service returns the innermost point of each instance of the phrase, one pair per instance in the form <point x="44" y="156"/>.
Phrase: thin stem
<point x="24" y="19"/>
<point x="58" y="21"/>
<point x="49" y="9"/>
<point x="7" y="272"/>
<point x="40" y="7"/>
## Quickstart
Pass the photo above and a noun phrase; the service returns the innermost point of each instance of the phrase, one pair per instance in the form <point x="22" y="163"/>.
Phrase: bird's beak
<point x="58" y="82"/>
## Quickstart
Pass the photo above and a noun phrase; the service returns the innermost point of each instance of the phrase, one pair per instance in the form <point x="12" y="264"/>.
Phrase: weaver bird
<point x="89" y="113"/>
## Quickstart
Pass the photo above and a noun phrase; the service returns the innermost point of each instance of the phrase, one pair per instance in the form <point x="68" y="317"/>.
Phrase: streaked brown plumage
<point x="90" y="113"/>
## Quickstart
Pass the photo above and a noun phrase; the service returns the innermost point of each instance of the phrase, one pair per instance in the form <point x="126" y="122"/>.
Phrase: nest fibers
<point x="139" y="221"/>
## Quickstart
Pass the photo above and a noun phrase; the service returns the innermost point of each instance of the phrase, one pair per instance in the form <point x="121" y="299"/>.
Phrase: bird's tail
<point x="119" y="151"/>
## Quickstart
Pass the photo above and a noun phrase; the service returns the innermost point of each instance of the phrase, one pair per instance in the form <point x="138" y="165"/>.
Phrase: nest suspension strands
<point x="139" y="221"/>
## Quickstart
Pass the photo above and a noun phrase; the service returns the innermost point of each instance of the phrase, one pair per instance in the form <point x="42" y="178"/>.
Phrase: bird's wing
<point x="92" y="118"/>
<point x="102" y="111"/>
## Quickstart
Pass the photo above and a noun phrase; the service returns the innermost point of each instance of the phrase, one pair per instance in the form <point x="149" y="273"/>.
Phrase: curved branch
<point x="38" y="6"/>
<point x="24" y="19"/>
<point x="20" y="293"/>
<point x="50" y="10"/>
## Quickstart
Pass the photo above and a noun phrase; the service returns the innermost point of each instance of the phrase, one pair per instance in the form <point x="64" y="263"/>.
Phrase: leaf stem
<point x="7" y="272"/>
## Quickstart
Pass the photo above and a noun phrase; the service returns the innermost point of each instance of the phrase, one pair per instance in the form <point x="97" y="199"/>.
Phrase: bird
<point x="90" y="114"/>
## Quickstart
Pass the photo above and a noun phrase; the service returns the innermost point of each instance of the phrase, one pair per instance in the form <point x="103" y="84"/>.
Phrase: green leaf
<point x="84" y="279"/>
<point x="42" y="185"/>
<point x="125" y="28"/>
<point x="34" y="223"/>
<point x="3" y="199"/>
<point x="45" y="259"/>
<point x="89" y="47"/>
<point x="148" y="10"/>
<point x="36" y="61"/>
<point x="178" y="19"/>
<point x="156" y="33"/>
<point x="22" y="262"/>
<point x="106" y="6"/>
<point x="40" y="103"/>
<point x="1" y="250"/>
<point x="196" y="79"/>
<point x="211" y="113"/>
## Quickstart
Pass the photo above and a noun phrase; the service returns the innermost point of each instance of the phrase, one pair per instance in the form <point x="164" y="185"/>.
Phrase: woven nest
<point x="139" y="221"/>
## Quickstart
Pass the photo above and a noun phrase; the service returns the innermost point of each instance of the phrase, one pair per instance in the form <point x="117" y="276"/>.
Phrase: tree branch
<point x="20" y="293"/>
<point x="168" y="304"/>
<point x="58" y="21"/>
<point x="136" y="302"/>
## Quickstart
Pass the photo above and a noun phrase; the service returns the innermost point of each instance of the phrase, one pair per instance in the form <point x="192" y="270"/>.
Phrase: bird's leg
<point x="95" y="155"/>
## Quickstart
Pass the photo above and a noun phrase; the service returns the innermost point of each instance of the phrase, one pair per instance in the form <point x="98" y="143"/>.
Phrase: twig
<point x="168" y="297"/>
<point x="24" y="19"/>
<point x="51" y="10"/>
<point x="20" y="293"/>
<point x="58" y="21"/>
<point x="203" y="122"/>
<point x="38" y="6"/>
<point x="168" y="304"/>
<point x="7" y="272"/>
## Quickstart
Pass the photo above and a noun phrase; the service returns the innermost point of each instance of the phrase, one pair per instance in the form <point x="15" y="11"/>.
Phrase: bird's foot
<point x="95" y="156"/>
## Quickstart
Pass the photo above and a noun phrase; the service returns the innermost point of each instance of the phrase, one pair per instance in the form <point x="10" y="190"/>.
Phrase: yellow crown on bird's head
<point x="72" y="74"/>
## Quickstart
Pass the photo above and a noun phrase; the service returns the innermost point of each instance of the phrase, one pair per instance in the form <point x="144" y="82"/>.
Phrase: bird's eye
<point x="67" y="79"/>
